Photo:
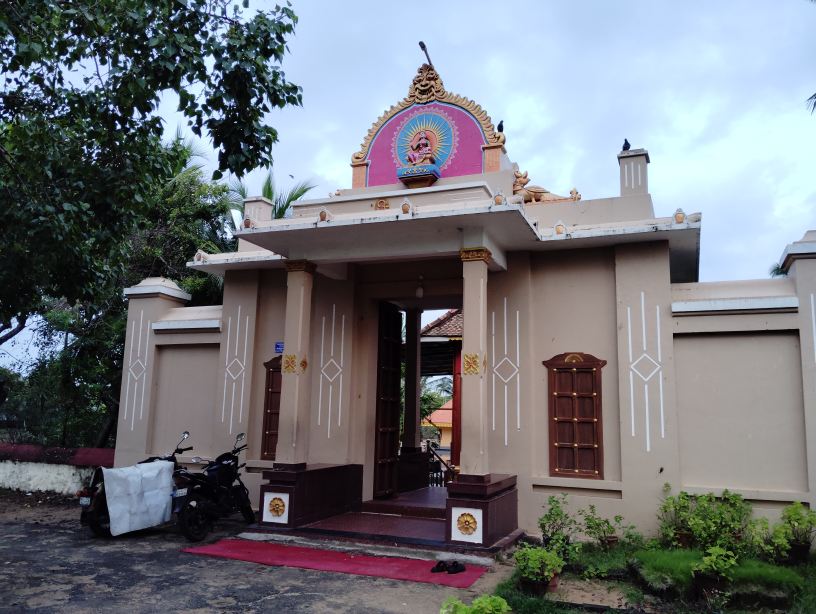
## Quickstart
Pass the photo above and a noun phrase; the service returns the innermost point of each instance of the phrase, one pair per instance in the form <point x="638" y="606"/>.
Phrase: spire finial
<point x="425" y="49"/>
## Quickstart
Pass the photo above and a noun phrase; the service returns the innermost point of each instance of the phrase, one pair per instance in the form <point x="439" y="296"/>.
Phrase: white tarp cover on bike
<point x="139" y="496"/>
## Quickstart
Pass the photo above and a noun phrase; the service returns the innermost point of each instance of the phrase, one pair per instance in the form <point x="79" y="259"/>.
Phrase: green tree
<point x="71" y="395"/>
<point x="281" y="200"/>
<point x="80" y="136"/>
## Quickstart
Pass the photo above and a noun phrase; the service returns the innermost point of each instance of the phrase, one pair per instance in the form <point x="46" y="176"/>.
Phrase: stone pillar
<point x="482" y="507"/>
<point x="410" y="428"/>
<point x="634" y="176"/>
<point x="799" y="262"/>
<point x="358" y="174"/>
<point x="491" y="157"/>
<point x="293" y="429"/>
<point x="650" y="453"/>
<point x="148" y="301"/>
<point x="474" y="454"/>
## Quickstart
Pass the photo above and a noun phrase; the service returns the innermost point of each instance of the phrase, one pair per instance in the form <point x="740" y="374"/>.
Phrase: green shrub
<point x="801" y="522"/>
<point x="674" y="515"/>
<point x="522" y="602"/>
<point x="600" y="529"/>
<point x="538" y="564"/>
<point x="717" y="562"/>
<point x="558" y="528"/>
<point x="720" y="521"/>
<point x="766" y="543"/>
<point x="709" y="519"/>
<point x="485" y="604"/>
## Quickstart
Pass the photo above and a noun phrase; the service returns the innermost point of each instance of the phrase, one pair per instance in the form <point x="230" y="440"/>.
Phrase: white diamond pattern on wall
<point x="235" y="369"/>
<point x="136" y="371"/>
<point x="645" y="367"/>
<point x="331" y="370"/>
<point x="505" y="368"/>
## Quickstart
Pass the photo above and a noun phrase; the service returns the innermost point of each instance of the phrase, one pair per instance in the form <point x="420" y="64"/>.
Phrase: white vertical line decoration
<point x="493" y="363"/>
<point x="646" y="367"/>
<point x="331" y="370"/>
<point x="234" y="368"/>
<point x="813" y="324"/>
<point x="136" y="371"/>
<point x="507" y="370"/>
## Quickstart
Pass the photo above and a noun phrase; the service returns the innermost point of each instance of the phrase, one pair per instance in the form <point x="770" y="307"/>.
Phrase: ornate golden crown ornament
<point x="427" y="87"/>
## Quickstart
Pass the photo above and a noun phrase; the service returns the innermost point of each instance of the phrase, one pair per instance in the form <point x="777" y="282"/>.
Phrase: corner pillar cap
<point x="633" y="153"/>
<point x="804" y="248"/>
<point x="469" y="254"/>
<point x="151" y="287"/>
<point x="293" y="266"/>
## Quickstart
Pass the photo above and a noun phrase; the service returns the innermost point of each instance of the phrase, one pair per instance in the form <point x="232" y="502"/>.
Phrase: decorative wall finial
<point x="425" y="49"/>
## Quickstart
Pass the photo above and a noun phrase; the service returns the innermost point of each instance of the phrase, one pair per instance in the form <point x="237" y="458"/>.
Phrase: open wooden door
<point x="387" y="431"/>
<point x="271" y="415"/>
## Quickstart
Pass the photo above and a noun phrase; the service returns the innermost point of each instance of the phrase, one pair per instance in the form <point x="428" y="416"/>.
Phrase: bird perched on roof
<point x="626" y="145"/>
<point x="500" y="127"/>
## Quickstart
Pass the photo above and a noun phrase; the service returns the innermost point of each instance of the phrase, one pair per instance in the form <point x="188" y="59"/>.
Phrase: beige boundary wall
<point x="706" y="386"/>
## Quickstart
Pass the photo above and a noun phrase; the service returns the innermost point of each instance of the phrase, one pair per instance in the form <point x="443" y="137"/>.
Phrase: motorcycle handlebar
<point x="180" y="450"/>
<point x="243" y="447"/>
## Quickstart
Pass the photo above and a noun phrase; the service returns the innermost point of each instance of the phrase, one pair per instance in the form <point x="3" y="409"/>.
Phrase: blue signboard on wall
<point x="278" y="347"/>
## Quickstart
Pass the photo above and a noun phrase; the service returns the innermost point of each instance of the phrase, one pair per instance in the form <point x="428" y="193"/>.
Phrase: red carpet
<point x="268" y="553"/>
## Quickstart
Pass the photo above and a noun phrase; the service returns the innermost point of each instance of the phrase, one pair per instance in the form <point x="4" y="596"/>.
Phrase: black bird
<point x="626" y="145"/>
<point x="501" y="126"/>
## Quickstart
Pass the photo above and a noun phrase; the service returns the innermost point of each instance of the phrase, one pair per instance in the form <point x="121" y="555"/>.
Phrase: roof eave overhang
<point x="439" y="233"/>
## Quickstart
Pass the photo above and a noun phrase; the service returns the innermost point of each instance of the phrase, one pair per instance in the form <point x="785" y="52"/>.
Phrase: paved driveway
<point x="49" y="563"/>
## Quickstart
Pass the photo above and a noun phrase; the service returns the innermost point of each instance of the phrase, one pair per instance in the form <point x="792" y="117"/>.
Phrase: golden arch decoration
<point x="427" y="87"/>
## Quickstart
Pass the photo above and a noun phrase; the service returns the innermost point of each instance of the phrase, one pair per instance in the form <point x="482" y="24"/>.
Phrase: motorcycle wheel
<point x="247" y="512"/>
<point x="98" y="516"/>
<point x="193" y="523"/>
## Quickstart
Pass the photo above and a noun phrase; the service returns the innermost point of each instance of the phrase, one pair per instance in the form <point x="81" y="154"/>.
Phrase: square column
<point x="293" y="428"/>
<point x="410" y="428"/>
<point x="474" y="454"/>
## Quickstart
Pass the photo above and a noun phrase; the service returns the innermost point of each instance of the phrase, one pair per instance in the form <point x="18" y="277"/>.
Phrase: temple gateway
<point x="588" y="360"/>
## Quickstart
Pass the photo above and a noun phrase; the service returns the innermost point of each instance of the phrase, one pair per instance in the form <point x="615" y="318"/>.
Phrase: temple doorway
<point x="416" y="377"/>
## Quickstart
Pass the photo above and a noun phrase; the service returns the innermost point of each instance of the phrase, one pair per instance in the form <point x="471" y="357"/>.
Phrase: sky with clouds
<point x="714" y="90"/>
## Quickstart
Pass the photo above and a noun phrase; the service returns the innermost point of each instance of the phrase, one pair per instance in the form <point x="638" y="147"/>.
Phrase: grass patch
<point x="805" y="602"/>
<point x="767" y="575"/>
<point x="667" y="570"/>
<point x="593" y="561"/>
<point x="522" y="603"/>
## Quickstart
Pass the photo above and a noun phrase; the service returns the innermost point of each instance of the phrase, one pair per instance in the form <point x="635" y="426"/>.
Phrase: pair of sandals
<point x="448" y="566"/>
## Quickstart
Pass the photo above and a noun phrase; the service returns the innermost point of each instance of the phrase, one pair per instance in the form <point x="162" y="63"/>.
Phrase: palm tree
<point x="281" y="201"/>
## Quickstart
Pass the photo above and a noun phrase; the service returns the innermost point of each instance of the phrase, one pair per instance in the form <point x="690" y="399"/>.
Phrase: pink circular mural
<point x="450" y="134"/>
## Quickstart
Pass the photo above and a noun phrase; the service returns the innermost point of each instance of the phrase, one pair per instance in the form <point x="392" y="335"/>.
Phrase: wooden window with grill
<point x="575" y="424"/>
<point x="271" y="416"/>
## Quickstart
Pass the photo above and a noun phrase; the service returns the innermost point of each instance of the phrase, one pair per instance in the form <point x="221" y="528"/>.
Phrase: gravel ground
<point x="48" y="563"/>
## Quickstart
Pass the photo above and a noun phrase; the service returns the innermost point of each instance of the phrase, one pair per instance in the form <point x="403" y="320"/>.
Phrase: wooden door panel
<point x="271" y="416"/>
<point x="386" y="446"/>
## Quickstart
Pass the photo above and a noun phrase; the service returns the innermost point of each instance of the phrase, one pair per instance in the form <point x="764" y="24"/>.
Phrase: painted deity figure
<point x="421" y="150"/>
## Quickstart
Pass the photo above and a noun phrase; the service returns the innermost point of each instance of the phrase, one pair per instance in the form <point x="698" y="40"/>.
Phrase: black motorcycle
<point x="213" y="493"/>
<point x="94" y="503"/>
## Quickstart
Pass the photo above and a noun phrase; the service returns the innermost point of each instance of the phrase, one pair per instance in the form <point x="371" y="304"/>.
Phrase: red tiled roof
<point x="448" y="325"/>
<point x="441" y="417"/>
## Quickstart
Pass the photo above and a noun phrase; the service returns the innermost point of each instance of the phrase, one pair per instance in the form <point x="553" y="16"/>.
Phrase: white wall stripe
<point x="662" y="418"/>
<point x="493" y="365"/>
<point x="643" y="317"/>
<point x="632" y="400"/>
<point x="648" y="437"/>
<point x="657" y="331"/>
<point x="629" y="330"/>
<point x="813" y="324"/>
